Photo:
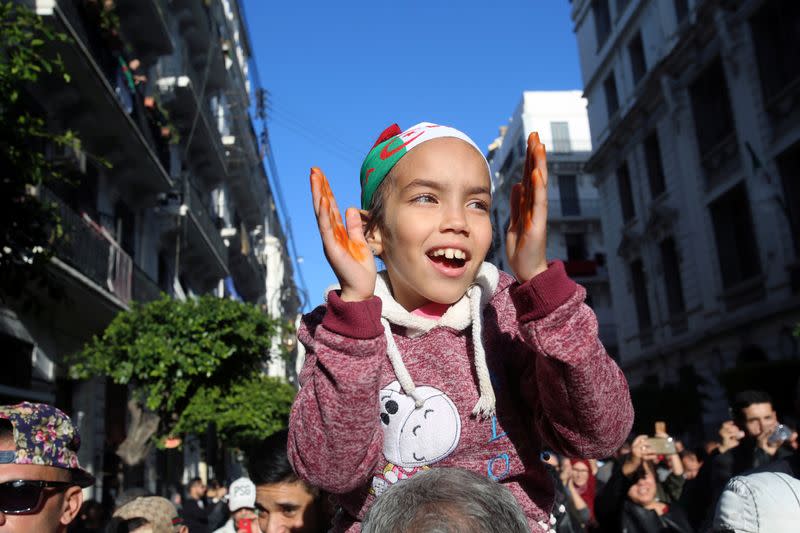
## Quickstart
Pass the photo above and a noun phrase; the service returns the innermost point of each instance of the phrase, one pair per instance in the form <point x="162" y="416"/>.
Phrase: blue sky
<point x="340" y="72"/>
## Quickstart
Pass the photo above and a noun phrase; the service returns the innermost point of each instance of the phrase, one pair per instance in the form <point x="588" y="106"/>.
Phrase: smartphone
<point x="661" y="445"/>
<point x="245" y="524"/>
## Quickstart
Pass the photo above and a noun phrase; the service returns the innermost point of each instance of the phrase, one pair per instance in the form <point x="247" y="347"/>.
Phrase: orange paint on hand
<point x="357" y="250"/>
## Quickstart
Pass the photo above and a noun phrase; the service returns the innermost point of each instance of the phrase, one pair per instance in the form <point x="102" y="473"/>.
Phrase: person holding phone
<point x="635" y="501"/>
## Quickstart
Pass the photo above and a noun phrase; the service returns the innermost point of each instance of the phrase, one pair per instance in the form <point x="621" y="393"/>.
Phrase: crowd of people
<point x="746" y="480"/>
<point x="498" y="408"/>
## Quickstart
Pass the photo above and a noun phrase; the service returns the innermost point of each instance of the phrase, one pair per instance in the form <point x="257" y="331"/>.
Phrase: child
<point x="442" y="360"/>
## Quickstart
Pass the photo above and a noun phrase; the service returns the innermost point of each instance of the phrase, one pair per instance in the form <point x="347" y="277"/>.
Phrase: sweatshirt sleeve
<point x="335" y="439"/>
<point x="578" y="394"/>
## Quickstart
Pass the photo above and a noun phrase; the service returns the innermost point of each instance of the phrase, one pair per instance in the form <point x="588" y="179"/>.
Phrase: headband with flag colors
<point x="393" y="145"/>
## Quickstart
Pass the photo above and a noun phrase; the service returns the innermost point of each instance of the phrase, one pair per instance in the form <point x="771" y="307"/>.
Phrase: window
<point x="612" y="101"/>
<point x="625" y="193"/>
<point x="776" y="36"/>
<point x="639" y="284"/>
<point x="576" y="246"/>
<point x="655" y="169"/>
<point x="560" y="132"/>
<point x="602" y="21"/>
<point x="672" y="276"/>
<point x="681" y="9"/>
<point x="789" y="167"/>
<point x="636" y="54"/>
<point x="737" y="250"/>
<point x="568" y="194"/>
<point x="713" y="119"/>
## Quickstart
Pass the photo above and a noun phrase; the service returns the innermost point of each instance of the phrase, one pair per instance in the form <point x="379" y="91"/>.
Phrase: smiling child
<point x="441" y="359"/>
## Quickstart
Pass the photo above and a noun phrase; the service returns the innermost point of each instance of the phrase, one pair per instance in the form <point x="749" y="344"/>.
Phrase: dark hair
<point x="377" y="210"/>
<point x="194" y="481"/>
<point x="268" y="462"/>
<point x="213" y="484"/>
<point x="745" y="399"/>
<point x="699" y="453"/>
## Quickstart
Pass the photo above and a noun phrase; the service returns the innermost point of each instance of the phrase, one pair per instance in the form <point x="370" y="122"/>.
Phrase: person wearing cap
<point x="151" y="514"/>
<point x="40" y="476"/>
<point x="242" y="505"/>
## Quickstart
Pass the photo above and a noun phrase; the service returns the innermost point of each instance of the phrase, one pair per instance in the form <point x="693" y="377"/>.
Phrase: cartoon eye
<point x="385" y="418"/>
<point x="425" y="414"/>
<point x="392" y="407"/>
<point x="414" y="431"/>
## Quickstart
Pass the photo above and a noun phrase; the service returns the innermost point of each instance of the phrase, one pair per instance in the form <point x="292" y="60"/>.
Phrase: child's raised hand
<point x="346" y="249"/>
<point x="526" y="240"/>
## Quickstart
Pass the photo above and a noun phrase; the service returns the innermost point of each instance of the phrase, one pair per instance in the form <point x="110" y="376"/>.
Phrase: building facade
<point x="694" y="107"/>
<point x="171" y="196"/>
<point x="574" y="232"/>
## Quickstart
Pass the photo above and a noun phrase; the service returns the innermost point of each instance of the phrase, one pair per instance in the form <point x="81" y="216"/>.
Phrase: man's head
<point x="446" y="500"/>
<point x="197" y="489"/>
<point x="40" y="477"/>
<point x="753" y="412"/>
<point x="283" y="501"/>
<point x="151" y="514"/>
<point x="242" y="499"/>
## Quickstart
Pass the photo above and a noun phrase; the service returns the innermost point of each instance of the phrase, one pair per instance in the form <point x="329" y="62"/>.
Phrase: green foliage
<point x="29" y="228"/>
<point x="180" y="357"/>
<point x="245" y="413"/>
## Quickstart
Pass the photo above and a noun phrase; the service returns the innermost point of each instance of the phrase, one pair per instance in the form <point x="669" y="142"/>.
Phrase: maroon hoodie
<point x="354" y="431"/>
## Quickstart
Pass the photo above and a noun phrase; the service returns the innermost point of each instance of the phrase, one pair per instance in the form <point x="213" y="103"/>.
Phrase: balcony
<point x="721" y="161"/>
<point x="91" y="250"/>
<point x="204" y="249"/>
<point x="246" y="177"/>
<point x="249" y="276"/>
<point x="144" y="27"/>
<point x="181" y="94"/>
<point x="89" y="100"/>
<point x="143" y="287"/>
<point x="202" y="37"/>
<point x="578" y="209"/>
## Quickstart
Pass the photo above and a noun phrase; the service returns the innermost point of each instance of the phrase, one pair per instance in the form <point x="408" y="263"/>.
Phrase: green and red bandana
<point x="394" y="144"/>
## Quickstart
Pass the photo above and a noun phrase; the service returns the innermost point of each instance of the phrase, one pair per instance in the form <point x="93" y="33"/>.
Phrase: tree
<point x="29" y="227"/>
<point x="191" y="363"/>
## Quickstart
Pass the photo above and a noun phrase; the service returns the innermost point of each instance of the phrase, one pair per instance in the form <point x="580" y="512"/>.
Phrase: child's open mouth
<point x="449" y="261"/>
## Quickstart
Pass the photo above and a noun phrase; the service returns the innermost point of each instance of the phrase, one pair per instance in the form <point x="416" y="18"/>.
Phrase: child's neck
<point x="431" y="310"/>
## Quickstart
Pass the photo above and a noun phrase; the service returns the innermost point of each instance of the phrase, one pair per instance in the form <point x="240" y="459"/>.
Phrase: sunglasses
<point x="25" y="496"/>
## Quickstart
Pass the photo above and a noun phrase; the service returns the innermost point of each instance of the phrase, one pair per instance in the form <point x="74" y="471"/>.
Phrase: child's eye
<point x="479" y="204"/>
<point x="424" y="199"/>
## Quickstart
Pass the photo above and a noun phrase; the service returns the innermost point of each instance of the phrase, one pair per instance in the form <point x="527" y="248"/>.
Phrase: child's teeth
<point x="449" y="253"/>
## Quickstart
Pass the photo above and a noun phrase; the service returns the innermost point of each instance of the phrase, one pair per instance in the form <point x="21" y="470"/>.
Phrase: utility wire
<point x="275" y="185"/>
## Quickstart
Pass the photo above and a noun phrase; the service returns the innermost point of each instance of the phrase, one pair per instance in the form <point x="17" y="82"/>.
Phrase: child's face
<point x="438" y="205"/>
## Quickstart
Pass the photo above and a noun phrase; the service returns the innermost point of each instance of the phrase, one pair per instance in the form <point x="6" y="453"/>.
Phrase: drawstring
<point x="400" y="370"/>
<point x="485" y="407"/>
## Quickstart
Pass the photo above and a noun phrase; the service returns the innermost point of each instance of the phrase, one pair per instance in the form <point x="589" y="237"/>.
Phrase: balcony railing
<point x="144" y="288"/>
<point x="90" y="249"/>
<point x="200" y="218"/>
<point x="577" y="209"/>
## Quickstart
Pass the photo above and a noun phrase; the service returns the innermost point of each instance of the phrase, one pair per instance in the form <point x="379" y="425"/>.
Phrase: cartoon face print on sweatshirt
<point x="414" y="438"/>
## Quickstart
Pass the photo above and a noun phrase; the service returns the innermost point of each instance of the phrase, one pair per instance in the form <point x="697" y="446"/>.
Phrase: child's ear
<point x="374" y="238"/>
